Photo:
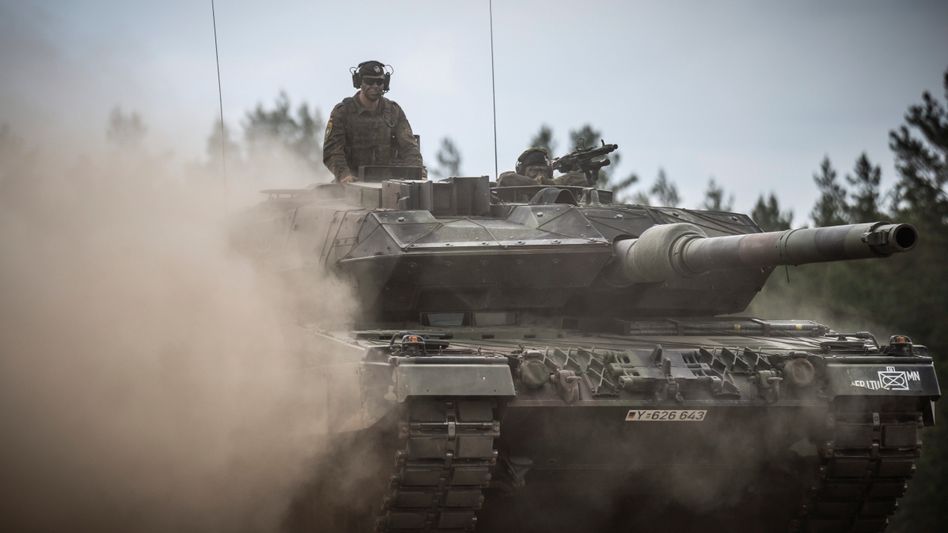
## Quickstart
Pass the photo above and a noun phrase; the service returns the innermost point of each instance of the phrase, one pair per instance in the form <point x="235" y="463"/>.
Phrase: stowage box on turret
<point x="543" y="359"/>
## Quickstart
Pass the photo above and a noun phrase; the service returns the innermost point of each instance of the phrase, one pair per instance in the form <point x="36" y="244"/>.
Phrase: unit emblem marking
<point x="889" y="379"/>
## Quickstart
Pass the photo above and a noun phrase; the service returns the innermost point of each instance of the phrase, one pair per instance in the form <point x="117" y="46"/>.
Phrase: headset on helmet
<point x="372" y="69"/>
<point x="533" y="156"/>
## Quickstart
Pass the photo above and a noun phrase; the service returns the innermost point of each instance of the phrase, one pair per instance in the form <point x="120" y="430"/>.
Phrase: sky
<point x="752" y="93"/>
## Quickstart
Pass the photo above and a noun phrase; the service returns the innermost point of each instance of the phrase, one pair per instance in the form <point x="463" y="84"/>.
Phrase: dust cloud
<point x="150" y="378"/>
<point x="782" y="300"/>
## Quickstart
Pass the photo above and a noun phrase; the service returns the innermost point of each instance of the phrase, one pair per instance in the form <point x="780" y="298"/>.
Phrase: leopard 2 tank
<point x="544" y="359"/>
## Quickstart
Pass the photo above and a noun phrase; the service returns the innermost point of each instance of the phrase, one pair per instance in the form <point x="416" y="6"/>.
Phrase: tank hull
<point x="462" y="436"/>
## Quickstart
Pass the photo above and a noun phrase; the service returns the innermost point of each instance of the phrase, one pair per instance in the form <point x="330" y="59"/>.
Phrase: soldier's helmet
<point x="534" y="157"/>
<point x="371" y="69"/>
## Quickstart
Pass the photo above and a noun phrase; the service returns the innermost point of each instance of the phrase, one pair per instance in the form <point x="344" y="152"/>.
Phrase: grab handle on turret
<point x="673" y="251"/>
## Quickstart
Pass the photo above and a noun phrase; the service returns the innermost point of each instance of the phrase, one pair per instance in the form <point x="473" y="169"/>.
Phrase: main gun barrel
<point x="672" y="251"/>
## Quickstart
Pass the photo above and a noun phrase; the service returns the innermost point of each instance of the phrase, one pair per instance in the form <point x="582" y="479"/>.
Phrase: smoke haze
<point x="149" y="376"/>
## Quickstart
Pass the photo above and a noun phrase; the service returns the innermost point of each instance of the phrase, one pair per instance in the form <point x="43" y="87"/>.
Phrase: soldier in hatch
<point x="367" y="128"/>
<point x="534" y="168"/>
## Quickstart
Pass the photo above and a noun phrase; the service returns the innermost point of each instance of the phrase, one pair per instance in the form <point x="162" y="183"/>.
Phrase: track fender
<point x="445" y="380"/>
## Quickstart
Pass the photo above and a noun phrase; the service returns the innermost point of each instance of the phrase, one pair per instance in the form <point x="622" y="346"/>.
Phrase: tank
<point x="543" y="359"/>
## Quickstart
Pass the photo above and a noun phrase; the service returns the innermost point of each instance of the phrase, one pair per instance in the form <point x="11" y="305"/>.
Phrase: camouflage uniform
<point x="512" y="179"/>
<point x="575" y="179"/>
<point x="357" y="136"/>
<point x="530" y="158"/>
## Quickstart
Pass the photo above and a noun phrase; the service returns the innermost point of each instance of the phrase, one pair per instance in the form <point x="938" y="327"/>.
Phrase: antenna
<point x="220" y="97"/>
<point x="493" y="91"/>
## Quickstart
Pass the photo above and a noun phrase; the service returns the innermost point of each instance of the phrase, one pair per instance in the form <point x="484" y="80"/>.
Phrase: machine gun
<point x="586" y="160"/>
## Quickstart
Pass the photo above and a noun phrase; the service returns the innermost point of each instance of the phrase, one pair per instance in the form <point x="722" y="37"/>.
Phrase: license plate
<point x="666" y="415"/>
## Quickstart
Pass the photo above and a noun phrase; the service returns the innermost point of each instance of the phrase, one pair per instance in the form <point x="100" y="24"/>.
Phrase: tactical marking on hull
<point x="666" y="415"/>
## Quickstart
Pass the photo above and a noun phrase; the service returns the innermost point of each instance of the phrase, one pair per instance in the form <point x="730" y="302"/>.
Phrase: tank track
<point x="443" y="467"/>
<point x="863" y="471"/>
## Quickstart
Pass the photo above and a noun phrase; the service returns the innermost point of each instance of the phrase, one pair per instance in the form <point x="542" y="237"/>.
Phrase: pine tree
<point x="641" y="198"/>
<point x="544" y="139"/>
<point x="309" y="142"/>
<point x="584" y="137"/>
<point x="921" y="159"/>
<point x="830" y="208"/>
<point x="865" y="200"/>
<point x="299" y="134"/>
<point x="664" y="190"/>
<point x="619" y="189"/>
<point x="449" y="159"/>
<point x="714" y="198"/>
<point x="768" y="216"/>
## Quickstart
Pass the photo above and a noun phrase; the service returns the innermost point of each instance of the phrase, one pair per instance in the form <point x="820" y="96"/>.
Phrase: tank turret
<point x="415" y="248"/>
<point x="673" y="251"/>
